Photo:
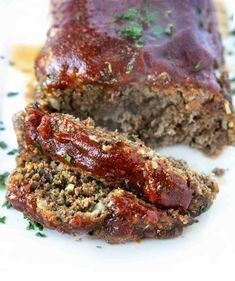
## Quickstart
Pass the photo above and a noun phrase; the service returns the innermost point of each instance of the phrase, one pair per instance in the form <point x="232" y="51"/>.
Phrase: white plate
<point x="205" y="250"/>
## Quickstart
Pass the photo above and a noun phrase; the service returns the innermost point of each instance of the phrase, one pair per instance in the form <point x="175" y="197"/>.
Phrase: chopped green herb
<point x="38" y="146"/>
<point x="3" y="145"/>
<point x="33" y="225"/>
<point x="109" y="66"/>
<point x="99" y="247"/>
<point x="52" y="77"/>
<point x="201" y="23"/>
<point x="197" y="66"/>
<point x="134" y="30"/>
<point x="114" y="80"/>
<point x="3" y="178"/>
<point x="130" y="14"/>
<point x="167" y="13"/>
<point x="232" y="32"/>
<point x="11" y="63"/>
<point x="7" y="204"/>
<point x="2" y="57"/>
<point x="78" y="15"/>
<point x="68" y="158"/>
<point x="200" y="10"/>
<point x="3" y="219"/>
<point x="139" y="43"/>
<point x="12" y="152"/>
<point x="1" y="126"/>
<point x="233" y="91"/>
<point x="12" y="94"/>
<point x="157" y="29"/>
<point x="169" y="29"/>
<point x="131" y="138"/>
<point x="79" y="239"/>
<point x="129" y="67"/>
<point x="40" y="234"/>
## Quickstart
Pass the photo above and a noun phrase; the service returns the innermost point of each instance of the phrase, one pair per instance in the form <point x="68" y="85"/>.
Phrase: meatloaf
<point x="72" y="176"/>
<point x="146" y="67"/>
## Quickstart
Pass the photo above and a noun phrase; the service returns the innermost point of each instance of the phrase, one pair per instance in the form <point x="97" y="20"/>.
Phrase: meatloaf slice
<point x="116" y="160"/>
<point x="150" y="68"/>
<point x="60" y="198"/>
<point x="64" y="197"/>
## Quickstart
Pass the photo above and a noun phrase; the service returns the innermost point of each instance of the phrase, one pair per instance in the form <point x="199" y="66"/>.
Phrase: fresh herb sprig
<point x="3" y="145"/>
<point x="3" y="178"/>
<point x="3" y="219"/>
<point x="33" y="225"/>
<point x="7" y="204"/>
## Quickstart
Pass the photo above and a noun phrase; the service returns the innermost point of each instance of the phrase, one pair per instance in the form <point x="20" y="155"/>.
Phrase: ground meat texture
<point x="63" y="197"/>
<point x="117" y="160"/>
<point x="169" y="88"/>
<point x="60" y="198"/>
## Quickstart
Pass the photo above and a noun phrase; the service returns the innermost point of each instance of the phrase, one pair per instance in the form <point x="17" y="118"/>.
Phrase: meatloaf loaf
<point x="152" y="68"/>
<point x="72" y="176"/>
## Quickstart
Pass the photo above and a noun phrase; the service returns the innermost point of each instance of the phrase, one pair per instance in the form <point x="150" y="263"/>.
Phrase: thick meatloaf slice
<point x="116" y="160"/>
<point x="152" y="68"/>
<point x="62" y="196"/>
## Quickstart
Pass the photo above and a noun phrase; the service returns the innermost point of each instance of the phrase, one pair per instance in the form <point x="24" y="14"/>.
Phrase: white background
<point x="205" y="251"/>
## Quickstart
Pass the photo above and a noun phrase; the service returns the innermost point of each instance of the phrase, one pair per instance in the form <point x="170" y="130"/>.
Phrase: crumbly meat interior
<point x="63" y="198"/>
<point x="159" y="118"/>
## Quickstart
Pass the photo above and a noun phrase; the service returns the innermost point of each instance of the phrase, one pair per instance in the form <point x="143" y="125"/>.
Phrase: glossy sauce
<point x="77" y="49"/>
<point x="133" y="218"/>
<point x="116" y="162"/>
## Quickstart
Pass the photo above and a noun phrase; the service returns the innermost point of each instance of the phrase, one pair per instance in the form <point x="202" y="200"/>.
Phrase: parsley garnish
<point x="135" y="21"/>
<point x="99" y="247"/>
<point x="169" y="29"/>
<point x="33" y="225"/>
<point x="12" y="94"/>
<point x="139" y="43"/>
<point x="67" y="157"/>
<point x="157" y="29"/>
<point x="3" y="145"/>
<point x="130" y="14"/>
<point x="232" y="32"/>
<point x="3" y="220"/>
<point x="12" y="152"/>
<point x="7" y="204"/>
<point x="38" y="146"/>
<point x="199" y="10"/>
<point x="40" y="234"/>
<point x="134" y="30"/>
<point x="109" y="66"/>
<point x="233" y="91"/>
<point x="131" y="138"/>
<point x="52" y="77"/>
<point x="3" y="178"/>
<point x="201" y="23"/>
<point x="1" y="126"/>
<point x="78" y="15"/>
<point x="129" y="67"/>
<point x="197" y="66"/>
<point x="114" y="81"/>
